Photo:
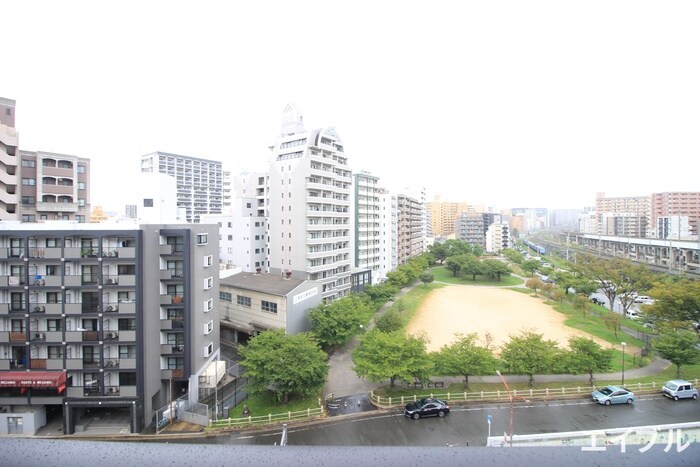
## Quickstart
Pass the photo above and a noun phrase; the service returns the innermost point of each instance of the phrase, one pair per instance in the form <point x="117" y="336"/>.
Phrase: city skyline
<point x="509" y="105"/>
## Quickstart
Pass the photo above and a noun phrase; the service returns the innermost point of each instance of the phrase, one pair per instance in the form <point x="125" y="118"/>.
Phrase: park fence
<point x="386" y="402"/>
<point x="268" y="419"/>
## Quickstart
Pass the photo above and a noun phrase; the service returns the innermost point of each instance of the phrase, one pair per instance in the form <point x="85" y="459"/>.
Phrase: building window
<point x="225" y="296"/>
<point x="53" y="324"/>
<point x="55" y="352"/>
<point x="29" y="181"/>
<point x="208" y="327"/>
<point x="28" y="218"/>
<point x="81" y="169"/>
<point x="208" y="305"/>
<point x="81" y="202"/>
<point x="126" y="324"/>
<point x="81" y="185"/>
<point x="28" y="200"/>
<point x="79" y="218"/>
<point x="28" y="163"/>
<point x="208" y="283"/>
<point x="128" y="378"/>
<point x="127" y="351"/>
<point x="148" y="202"/>
<point x="243" y="301"/>
<point x="248" y="205"/>
<point x="269" y="306"/>
<point x="202" y="239"/>
<point x="208" y="260"/>
<point x="209" y="349"/>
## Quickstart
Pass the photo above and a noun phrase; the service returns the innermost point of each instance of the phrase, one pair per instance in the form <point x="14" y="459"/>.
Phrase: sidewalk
<point x="342" y="380"/>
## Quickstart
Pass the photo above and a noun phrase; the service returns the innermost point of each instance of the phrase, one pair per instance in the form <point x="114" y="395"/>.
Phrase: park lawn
<point x="266" y="404"/>
<point x="442" y="274"/>
<point x="408" y="304"/>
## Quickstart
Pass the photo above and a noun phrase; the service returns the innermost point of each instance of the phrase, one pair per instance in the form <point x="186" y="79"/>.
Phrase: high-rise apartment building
<point x="200" y="182"/>
<point x="367" y="224"/>
<point x="308" y="206"/>
<point x="626" y="216"/>
<point x="388" y="212"/>
<point x="9" y="162"/>
<point x="677" y="204"/>
<point x="99" y="320"/>
<point x="54" y="187"/>
<point x="442" y="217"/>
<point x="410" y="228"/>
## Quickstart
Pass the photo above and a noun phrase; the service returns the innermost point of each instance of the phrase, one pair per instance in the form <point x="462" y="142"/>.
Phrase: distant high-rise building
<point x="367" y="237"/>
<point x="626" y="216"/>
<point x="677" y="204"/>
<point x="54" y="187"/>
<point x="442" y="217"/>
<point x="410" y="228"/>
<point x="308" y="206"/>
<point x="199" y="182"/>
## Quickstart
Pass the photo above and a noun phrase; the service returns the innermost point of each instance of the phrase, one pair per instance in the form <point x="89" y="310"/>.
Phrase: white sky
<point x="505" y="103"/>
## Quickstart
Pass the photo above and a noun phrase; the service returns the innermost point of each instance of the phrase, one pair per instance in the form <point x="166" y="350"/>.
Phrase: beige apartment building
<point x="410" y="228"/>
<point x="443" y="216"/>
<point x="625" y="216"/>
<point x="677" y="204"/>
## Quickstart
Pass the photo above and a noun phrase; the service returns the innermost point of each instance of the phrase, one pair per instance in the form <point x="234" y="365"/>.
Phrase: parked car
<point x="613" y="395"/>
<point x="598" y="301"/>
<point x="632" y="314"/>
<point x="426" y="407"/>
<point x="679" y="389"/>
<point x="644" y="299"/>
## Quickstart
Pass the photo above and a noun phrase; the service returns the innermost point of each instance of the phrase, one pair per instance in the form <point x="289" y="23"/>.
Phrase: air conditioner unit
<point x="41" y="336"/>
<point x="37" y="309"/>
<point x="111" y="335"/>
<point x="110" y="308"/>
<point x="110" y="281"/>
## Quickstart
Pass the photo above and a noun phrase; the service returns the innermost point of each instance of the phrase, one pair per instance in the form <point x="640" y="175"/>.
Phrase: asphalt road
<point x="467" y="425"/>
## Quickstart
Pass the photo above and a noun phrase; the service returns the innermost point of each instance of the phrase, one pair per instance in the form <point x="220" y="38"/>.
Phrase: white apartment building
<point x="367" y="224"/>
<point x="9" y="162"/>
<point x="309" y="206"/>
<point x="243" y="230"/>
<point x="199" y="182"/>
<point x="388" y="224"/>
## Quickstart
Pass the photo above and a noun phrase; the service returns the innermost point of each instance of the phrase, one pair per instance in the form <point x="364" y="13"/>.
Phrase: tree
<point x="390" y="321"/>
<point x="454" y="265"/>
<point x="284" y="364"/>
<point x="391" y="355"/>
<point x="426" y="277"/>
<point x="678" y="346"/>
<point x="580" y="302"/>
<point x="616" y="277"/>
<point x="464" y="357"/>
<point x="530" y="354"/>
<point x="530" y="266"/>
<point x="471" y="266"/>
<point x="336" y="323"/>
<point x="439" y="251"/>
<point x="675" y="303"/>
<point x="587" y="356"/>
<point x="495" y="268"/>
<point x="535" y="284"/>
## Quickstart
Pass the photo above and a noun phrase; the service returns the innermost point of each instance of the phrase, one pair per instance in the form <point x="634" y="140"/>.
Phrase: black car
<point x="426" y="407"/>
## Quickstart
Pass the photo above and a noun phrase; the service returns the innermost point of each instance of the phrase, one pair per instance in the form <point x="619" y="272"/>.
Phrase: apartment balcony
<point x="168" y="299"/>
<point x="174" y="373"/>
<point x="172" y="349"/>
<point x="50" y="253"/>
<point x="58" y="207"/>
<point x="172" y="324"/>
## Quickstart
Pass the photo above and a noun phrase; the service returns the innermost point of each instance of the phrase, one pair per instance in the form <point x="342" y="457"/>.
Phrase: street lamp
<point x="623" y="363"/>
<point x="510" y="398"/>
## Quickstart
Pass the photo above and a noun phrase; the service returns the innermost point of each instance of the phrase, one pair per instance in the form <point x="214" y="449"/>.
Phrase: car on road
<point x="679" y="389"/>
<point x="426" y="407"/>
<point x="613" y="395"/>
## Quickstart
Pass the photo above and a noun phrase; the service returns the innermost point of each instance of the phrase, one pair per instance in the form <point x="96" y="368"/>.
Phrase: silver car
<point x="679" y="389"/>
<point x="613" y="395"/>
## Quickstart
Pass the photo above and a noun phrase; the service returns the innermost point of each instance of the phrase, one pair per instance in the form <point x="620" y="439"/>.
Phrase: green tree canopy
<point x="334" y="324"/>
<point x="678" y="346"/>
<point x="529" y="353"/>
<point x="465" y="357"/>
<point x="675" y="303"/>
<point x="495" y="268"/>
<point x="284" y="364"/>
<point x="426" y="277"/>
<point x="391" y="356"/>
<point x="587" y="356"/>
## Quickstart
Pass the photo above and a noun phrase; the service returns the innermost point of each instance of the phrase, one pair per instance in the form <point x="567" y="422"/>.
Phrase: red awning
<point x="33" y="379"/>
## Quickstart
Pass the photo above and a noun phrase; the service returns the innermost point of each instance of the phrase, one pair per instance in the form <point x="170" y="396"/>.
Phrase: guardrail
<point x="267" y="419"/>
<point x="529" y="394"/>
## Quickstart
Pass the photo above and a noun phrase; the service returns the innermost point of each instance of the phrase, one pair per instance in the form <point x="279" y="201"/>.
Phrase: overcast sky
<point x="505" y="103"/>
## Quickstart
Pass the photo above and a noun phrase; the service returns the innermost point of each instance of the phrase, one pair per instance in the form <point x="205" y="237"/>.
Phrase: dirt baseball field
<point x="501" y="312"/>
